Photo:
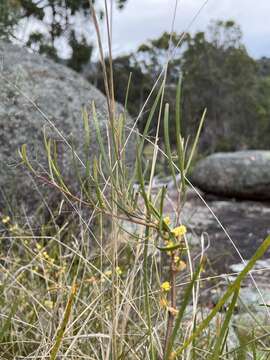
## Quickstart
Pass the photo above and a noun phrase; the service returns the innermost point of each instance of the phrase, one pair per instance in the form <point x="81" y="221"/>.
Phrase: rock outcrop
<point x="38" y="94"/>
<point x="241" y="174"/>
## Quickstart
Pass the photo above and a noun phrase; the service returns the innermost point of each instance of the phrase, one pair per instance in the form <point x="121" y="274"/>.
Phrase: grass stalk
<point x="62" y="328"/>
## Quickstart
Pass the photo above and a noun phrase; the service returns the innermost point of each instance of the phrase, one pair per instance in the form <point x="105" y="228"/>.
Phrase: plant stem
<point x="172" y="301"/>
<point x="146" y="292"/>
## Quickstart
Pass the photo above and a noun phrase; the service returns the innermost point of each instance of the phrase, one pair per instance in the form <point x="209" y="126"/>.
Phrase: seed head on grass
<point x="163" y="302"/>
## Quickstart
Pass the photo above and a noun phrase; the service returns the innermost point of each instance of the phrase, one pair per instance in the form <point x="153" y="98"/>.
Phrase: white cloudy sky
<point x="146" y="19"/>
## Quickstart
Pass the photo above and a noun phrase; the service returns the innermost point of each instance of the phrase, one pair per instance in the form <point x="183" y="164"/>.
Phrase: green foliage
<point x="263" y="111"/>
<point x="81" y="52"/>
<point x="218" y="74"/>
<point x="102" y="293"/>
<point x="70" y="286"/>
<point x="57" y="24"/>
<point x="8" y="13"/>
<point x="140" y="84"/>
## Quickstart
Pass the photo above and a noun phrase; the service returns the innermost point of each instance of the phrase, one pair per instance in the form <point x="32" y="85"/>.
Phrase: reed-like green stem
<point x="147" y="305"/>
<point x="171" y="316"/>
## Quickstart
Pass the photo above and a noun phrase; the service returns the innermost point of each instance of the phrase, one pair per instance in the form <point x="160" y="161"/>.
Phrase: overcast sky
<point x="145" y="19"/>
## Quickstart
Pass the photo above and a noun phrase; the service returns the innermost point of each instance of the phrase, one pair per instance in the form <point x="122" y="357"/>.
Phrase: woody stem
<point x="170" y="320"/>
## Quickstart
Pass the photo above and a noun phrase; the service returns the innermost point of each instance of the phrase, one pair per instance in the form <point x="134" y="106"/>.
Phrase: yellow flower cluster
<point x="165" y="286"/>
<point x="108" y="273"/>
<point x="5" y="220"/>
<point x="170" y="244"/>
<point x="13" y="228"/>
<point x="118" y="271"/>
<point x="43" y="254"/>
<point x="167" y="220"/>
<point x="179" y="231"/>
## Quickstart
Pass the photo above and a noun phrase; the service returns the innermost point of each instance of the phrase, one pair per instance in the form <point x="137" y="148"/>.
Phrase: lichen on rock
<point x="31" y="85"/>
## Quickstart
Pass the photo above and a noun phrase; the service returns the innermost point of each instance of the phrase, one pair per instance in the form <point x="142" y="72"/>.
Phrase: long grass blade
<point x="167" y="143"/>
<point x="225" y="326"/>
<point x="195" y="143"/>
<point x="231" y="289"/>
<point x="186" y="298"/>
<point x="179" y="139"/>
<point x="61" y="331"/>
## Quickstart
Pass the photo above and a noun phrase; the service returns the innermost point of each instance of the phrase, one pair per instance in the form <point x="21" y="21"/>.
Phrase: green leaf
<point x="186" y="299"/>
<point x="231" y="289"/>
<point x="167" y="143"/>
<point x="225" y="326"/>
<point x="195" y="143"/>
<point x="179" y="140"/>
<point x="61" y="331"/>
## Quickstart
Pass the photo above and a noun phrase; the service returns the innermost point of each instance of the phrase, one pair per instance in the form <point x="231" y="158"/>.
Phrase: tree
<point x="261" y="136"/>
<point x="8" y="12"/>
<point x="55" y="23"/>
<point x="150" y="59"/>
<point x="125" y="67"/>
<point x="218" y="74"/>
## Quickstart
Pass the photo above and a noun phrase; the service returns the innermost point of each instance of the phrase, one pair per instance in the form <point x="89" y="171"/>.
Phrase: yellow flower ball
<point x="13" y="228"/>
<point x="5" y="219"/>
<point x="179" y="231"/>
<point x="118" y="270"/>
<point x="167" y="220"/>
<point x="170" y="244"/>
<point x="165" y="286"/>
<point x="38" y="246"/>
